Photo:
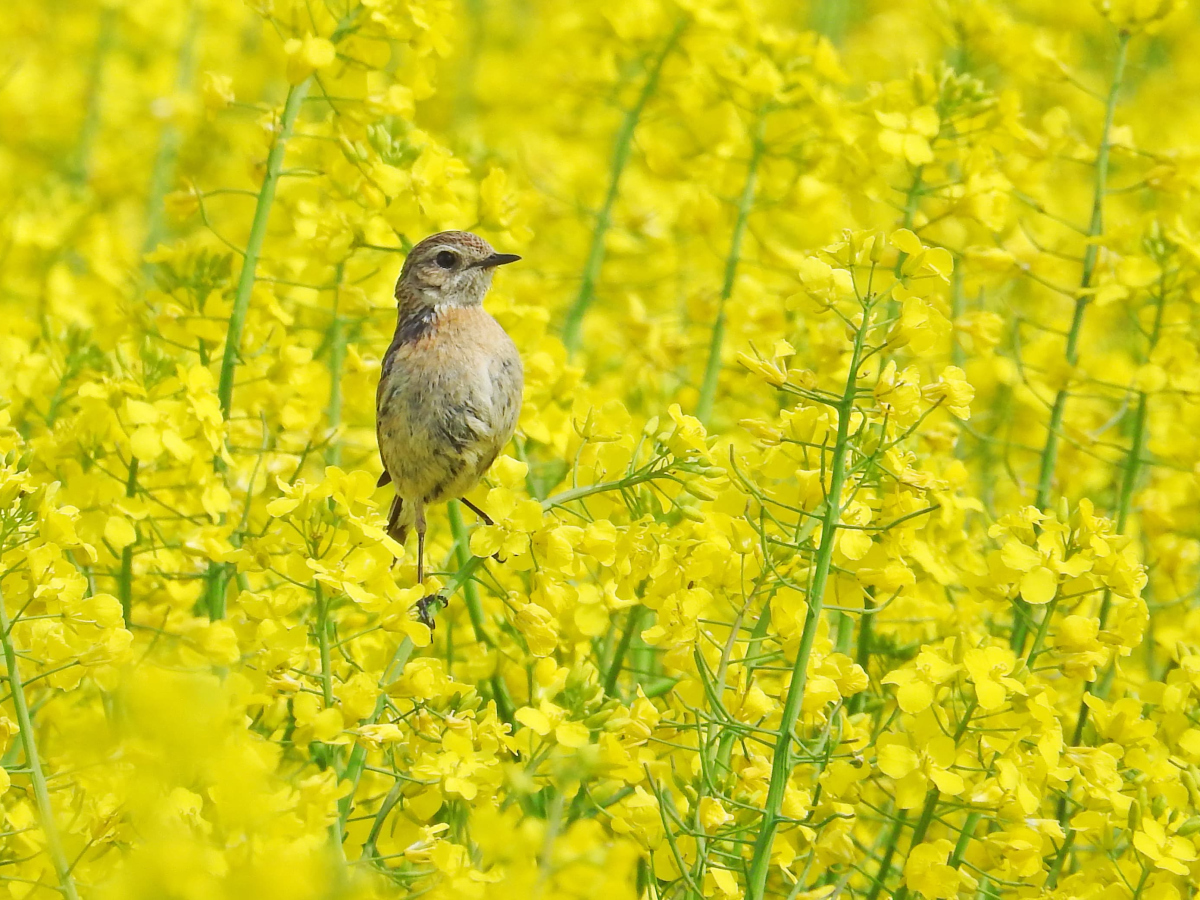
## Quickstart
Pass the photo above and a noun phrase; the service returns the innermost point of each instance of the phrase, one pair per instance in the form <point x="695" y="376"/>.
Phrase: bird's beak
<point x="496" y="259"/>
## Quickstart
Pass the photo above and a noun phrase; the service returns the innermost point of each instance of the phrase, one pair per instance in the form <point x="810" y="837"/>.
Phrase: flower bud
<point x="876" y="247"/>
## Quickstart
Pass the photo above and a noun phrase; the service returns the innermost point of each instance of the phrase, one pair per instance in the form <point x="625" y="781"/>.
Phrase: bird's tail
<point x="400" y="519"/>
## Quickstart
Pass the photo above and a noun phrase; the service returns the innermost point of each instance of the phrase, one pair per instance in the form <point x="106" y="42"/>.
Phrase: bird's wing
<point x="384" y="369"/>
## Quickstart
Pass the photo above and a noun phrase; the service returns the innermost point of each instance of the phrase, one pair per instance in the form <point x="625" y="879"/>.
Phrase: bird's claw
<point x="425" y="612"/>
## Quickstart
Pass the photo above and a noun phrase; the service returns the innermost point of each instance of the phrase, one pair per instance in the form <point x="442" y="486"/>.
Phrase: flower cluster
<point x="849" y="542"/>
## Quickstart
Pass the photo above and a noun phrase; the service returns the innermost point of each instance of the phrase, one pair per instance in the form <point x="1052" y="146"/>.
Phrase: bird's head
<point x="451" y="268"/>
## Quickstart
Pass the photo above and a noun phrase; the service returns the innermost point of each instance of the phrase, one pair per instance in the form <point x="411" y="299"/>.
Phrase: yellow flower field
<point x="849" y="546"/>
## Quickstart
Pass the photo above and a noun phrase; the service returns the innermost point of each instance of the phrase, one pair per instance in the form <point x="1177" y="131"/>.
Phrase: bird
<point x="450" y="384"/>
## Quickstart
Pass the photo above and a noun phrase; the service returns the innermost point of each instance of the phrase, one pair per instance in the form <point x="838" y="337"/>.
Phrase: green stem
<point x="601" y="487"/>
<point x="392" y="671"/>
<point x="323" y="642"/>
<point x="1128" y="481"/>
<point x="573" y="325"/>
<point x="1090" y="255"/>
<point x="41" y="793"/>
<point x="885" y="864"/>
<point x="712" y="369"/>
<point x="125" y="582"/>
<point x="215" y="590"/>
<point x="964" y="839"/>
<point x="1129" y="477"/>
<point x="337" y="357"/>
<point x="163" y="172"/>
<point x="1056" y="866"/>
<point x="1049" y="459"/>
<point x="460" y="579"/>
<point x="470" y="589"/>
<point x="618" y="657"/>
<point x="781" y="765"/>
<point x="931" y="802"/>
<point x="957" y="307"/>
<point x="105" y="33"/>
<point x="258" y="233"/>
<point x="912" y="199"/>
<point x="358" y="755"/>
<point x="863" y="651"/>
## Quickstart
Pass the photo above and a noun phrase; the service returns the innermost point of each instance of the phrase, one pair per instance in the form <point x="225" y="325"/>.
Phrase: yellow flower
<point x="1164" y="850"/>
<point x="907" y="135"/>
<point x="926" y="871"/>
<point x="307" y="55"/>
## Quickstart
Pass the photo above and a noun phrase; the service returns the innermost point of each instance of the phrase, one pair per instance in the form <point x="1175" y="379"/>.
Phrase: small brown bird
<point x="450" y="386"/>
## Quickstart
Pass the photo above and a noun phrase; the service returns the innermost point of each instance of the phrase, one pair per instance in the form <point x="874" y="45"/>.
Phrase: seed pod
<point x="1188" y="777"/>
<point x="598" y="718"/>
<point x="1134" y="820"/>
<point x="1189" y="827"/>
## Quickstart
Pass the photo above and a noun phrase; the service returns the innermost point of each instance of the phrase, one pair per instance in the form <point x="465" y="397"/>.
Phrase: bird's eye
<point x="446" y="259"/>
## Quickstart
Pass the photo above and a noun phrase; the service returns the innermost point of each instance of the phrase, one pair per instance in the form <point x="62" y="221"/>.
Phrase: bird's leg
<point x="423" y="605"/>
<point x="420" y="542"/>
<point x="483" y="517"/>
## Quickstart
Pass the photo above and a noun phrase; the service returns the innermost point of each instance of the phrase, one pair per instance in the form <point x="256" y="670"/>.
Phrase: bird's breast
<point x="448" y="399"/>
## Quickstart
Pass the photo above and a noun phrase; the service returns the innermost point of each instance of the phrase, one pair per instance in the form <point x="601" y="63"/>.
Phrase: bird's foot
<point x="426" y="607"/>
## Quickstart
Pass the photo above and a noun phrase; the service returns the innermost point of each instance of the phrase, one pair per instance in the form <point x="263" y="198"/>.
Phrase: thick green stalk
<point x="632" y="625"/>
<point x="41" y="793"/>
<point x="1090" y="254"/>
<point x="392" y="671"/>
<point x="964" y="838"/>
<point x="470" y="590"/>
<point x="712" y="369"/>
<point x="1049" y="458"/>
<point x="862" y="654"/>
<point x="885" y="864"/>
<point x="931" y="802"/>
<point x="337" y="358"/>
<point x="322" y="603"/>
<point x="781" y="765"/>
<point x="573" y="325"/>
<point x="460" y="579"/>
<point x="1129" y="477"/>
<point x="125" y="582"/>
<point x="258" y="233"/>
<point x="217" y="572"/>
<point x="105" y="34"/>
<point x="163" y="172"/>
<point x="957" y="307"/>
